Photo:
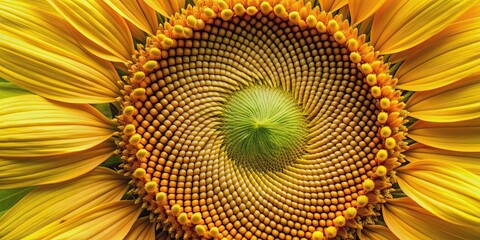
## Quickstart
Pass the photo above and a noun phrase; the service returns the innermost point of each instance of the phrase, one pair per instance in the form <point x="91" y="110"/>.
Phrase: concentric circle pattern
<point x="174" y="143"/>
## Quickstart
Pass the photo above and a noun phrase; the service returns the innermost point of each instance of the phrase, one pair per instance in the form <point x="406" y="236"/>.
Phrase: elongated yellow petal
<point x="142" y="229"/>
<point x="32" y="126"/>
<point x="449" y="57"/>
<point x="40" y="55"/>
<point x="332" y="5"/>
<point x="407" y="220"/>
<point x="447" y="191"/>
<point x="53" y="204"/>
<point x="361" y="10"/>
<point x="33" y="171"/>
<point x="166" y="7"/>
<point x="377" y="232"/>
<point x="136" y="12"/>
<point x="104" y="31"/>
<point x="403" y="24"/>
<point x="111" y="220"/>
<point x="455" y="102"/>
<point x="456" y="136"/>
<point x="467" y="160"/>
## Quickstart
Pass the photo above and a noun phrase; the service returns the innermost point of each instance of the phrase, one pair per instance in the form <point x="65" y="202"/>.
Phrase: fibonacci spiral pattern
<point x="177" y="152"/>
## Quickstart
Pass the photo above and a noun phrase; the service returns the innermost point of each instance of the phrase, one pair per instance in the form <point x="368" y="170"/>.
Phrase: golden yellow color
<point x="240" y="119"/>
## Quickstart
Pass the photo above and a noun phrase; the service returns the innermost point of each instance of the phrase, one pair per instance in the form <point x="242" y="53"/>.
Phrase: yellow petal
<point x="33" y="171"/>
<point x="136" y="12"/>
<point x="361" y="10"/>
<point x="105" y="29"/>
<point x="448" y="57"/>
<point x="456" y="136"/>
<point x="32" y="126"/>
<point x="447" y="191"/>
<point x="142" y="229"/>
<point x="166" y="7"/>
<point x="55" y="203"/>
<point x="467" y="160"/>
<point x="111" y="220"/>
<point x="332" y="5"/>
<point x="403" y="24"/>
<point x="408" y="220"/>
<point x="456" y="102"/>
<point x="39" y="55"/>
<point x="377" y="232"/>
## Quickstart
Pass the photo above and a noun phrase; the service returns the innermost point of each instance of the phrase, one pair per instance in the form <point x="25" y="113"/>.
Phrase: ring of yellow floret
<point x="182" y="26"/>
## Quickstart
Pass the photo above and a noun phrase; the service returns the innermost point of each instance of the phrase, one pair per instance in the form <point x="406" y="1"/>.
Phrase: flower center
<point x="263" y="128"/>
<point x="254" y="121"/>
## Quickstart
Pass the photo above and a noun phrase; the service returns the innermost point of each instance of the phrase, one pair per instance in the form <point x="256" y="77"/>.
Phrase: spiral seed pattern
<point x="174" y="143"/>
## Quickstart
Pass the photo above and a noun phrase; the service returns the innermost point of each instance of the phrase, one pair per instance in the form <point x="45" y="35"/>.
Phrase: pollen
<point x="259" y="119"/>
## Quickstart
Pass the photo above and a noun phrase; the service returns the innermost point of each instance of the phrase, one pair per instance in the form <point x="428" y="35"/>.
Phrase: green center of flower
<point x="263" y="128"/>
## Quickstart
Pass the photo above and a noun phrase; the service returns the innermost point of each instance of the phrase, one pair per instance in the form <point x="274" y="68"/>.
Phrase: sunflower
<point x="240" y="119"/>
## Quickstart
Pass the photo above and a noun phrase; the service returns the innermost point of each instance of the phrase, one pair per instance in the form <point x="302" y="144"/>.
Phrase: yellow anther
<point x="368" y="185"/>
<point x="381" y="171"/>
<point x="150" y="65"/>
<point x="135" y="139"/>
<point x="331" y="232"/>
<point x="294" y="17"/>
<point x="333" y="26"/>
<point x="209" y="12"/>
<point x="355" y="57"/>
<point x="340" y="37"/>
<point x="311" y="21"/>
<point x="266" y="8"/>
<point x="200" y="229"/>
<point x="139" y="76"/>
<point x="191" y="21"/>
<point x="155" y="52"/>
<point x="376" y="91"/>
<point x="252" y="10"/>
<point x="321" y="27"/>
<point x="352" y="44"/>
<point x="139" y="173"/>
<point x="160" y="197"/>
<point x="196" y="218"/>
<point x="129" y="129"/>
<point x="226" y="14"/>
<point x="280" y="11"/>
<point x="187" y="32"/>
<point x="151" y="186"/>
<point x="317" y="235"/>
<point x="200" y="24"/>
<point x="138" y="92"/>
<point x="182" y="218"/>
<point x="214" y="232"/>
<point x="362" y="201"/>
<point x="385" y="132"/>
<point x="239" y="9"/>
<point x="371" y="79"/>
<point x="176" y="209"/>
<point x="168" y="41"/>
<point x="385" y="103"/>
<point x="128" y="110"/>
<point x="141" y="153"/>
<point x="382" y="155"/>
<point x="390" y="143"/>
<point x="222" y="4"/>
<point x="339" y="221"/>
<point x="367" y="68"/>
<point x="382" y="117"/>
<point x="178" y="29"/>
<point x="350" y="213"/>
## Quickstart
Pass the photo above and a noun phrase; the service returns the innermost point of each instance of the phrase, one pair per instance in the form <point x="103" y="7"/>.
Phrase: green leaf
<point x="112" y="162"/>
<point x="8" y="89"/>
<point x="9" y="197"/>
